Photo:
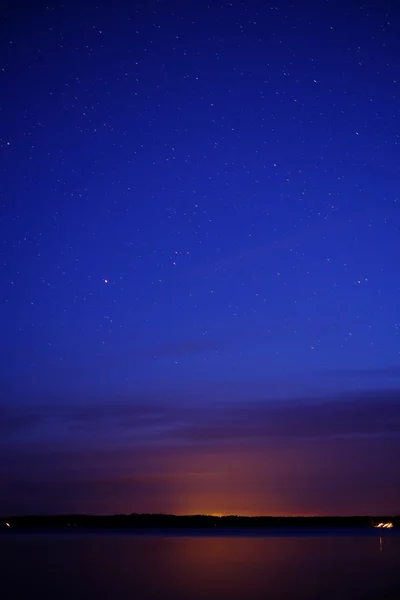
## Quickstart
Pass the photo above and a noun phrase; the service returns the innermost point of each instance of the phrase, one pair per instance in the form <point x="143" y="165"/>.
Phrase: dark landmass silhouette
<point x="189" y="522"/>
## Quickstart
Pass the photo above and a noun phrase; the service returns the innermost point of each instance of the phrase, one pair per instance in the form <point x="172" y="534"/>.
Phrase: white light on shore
<point x="388" y="525"/>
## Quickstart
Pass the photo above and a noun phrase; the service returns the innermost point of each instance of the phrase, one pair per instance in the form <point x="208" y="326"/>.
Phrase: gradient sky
<point x="200" y="287"/>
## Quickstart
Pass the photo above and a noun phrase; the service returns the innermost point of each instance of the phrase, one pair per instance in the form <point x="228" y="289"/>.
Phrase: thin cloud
<point x="364" y="414"/>
<point x="368" y="414"/>
<point x="183" y="347"/>
<point x="392" y="371"/>
<point x="10" y="423"/>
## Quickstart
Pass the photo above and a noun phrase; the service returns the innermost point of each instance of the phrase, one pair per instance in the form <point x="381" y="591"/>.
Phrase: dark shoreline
<point x="151" y="524"/>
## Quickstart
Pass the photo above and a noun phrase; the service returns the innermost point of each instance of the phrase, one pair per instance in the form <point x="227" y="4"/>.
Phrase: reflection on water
<point x="123" y="566"/>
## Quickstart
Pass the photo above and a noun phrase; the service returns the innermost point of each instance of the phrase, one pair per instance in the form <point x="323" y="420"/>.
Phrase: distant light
<point x="106" y="281"/>
<point x="387" y="525"/>
<point x="7" y="524"/>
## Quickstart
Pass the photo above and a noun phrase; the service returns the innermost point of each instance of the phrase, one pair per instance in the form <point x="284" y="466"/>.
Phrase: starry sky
<point x="200" y="290"/>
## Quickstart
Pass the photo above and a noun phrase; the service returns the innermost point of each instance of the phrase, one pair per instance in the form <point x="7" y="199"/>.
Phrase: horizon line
<point x="209" y="515"/>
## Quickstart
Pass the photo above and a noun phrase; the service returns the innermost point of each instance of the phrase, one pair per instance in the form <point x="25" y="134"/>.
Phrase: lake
<point x="267" y="565"/>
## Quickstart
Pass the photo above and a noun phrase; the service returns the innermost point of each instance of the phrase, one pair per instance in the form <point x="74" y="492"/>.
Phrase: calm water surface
<point x="117" y="566"/>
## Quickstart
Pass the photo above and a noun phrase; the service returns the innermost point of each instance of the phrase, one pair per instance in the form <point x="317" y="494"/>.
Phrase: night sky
<point x="200" y="243"/>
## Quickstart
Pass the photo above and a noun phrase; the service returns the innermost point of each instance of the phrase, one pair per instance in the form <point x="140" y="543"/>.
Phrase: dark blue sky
<point x="199" y="217"/>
